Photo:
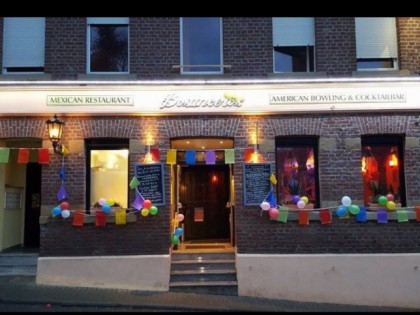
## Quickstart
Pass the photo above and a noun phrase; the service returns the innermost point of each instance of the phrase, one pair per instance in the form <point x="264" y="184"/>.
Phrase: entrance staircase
<point x="204" y="268"/>
<point x="18" y="263"/>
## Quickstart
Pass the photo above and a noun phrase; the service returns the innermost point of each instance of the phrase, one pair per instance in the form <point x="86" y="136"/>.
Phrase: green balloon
<point x="175" y="239"/>
<point x="153" y="210"/>
<point x="354" y="209"/>
<point x="382" y="200"/>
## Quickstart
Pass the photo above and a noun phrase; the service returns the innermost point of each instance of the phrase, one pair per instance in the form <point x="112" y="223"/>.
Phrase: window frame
<point x="308" y="60"/>
<point x="394" y="63"/>
<point x="106" y="22"/>
<point x="221" y="68"/>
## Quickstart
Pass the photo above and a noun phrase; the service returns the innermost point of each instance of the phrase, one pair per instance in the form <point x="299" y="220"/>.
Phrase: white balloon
<point x="265" y="205"/>
<point x="300" y="204"/>
<point x="65" y="213"/>
<point x="346" y="201"/>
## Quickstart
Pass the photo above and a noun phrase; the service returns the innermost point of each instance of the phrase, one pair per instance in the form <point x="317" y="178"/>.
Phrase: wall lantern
<point x="55" y="129"/>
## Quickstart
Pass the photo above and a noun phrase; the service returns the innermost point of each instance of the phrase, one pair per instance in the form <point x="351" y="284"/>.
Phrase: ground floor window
<point x="382" y="168"/>
<point x="296" y="167"/>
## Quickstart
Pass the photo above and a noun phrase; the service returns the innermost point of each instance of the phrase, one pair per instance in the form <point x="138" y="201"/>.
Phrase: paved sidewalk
<point x="24" y="290"/>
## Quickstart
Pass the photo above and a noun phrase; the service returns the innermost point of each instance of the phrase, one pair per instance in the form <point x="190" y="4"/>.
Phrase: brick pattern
<point x="335" y="45"/>
<point x="408" y="35"/>
<point x="65" y="47"/>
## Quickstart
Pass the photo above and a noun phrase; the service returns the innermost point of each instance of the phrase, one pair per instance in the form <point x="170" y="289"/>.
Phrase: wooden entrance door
<point x="204" y="193"/>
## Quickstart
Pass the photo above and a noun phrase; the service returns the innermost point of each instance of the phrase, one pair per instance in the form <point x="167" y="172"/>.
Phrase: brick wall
<point x="408" y="34"/>
<point x="335" y="39"/>
<point x="65" y="47"/>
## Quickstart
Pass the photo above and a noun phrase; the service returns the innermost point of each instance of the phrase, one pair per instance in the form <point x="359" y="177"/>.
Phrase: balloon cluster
<point x="61" y="209"/>
<point x="178" y="231"/>
<point x="273" y="211"/>
<point x="387" y="201"/>
<point x="347" y="207"/>
<point x="300" y="201"/>
<point x="106" y="204"/>
<point x="148" y="208"/>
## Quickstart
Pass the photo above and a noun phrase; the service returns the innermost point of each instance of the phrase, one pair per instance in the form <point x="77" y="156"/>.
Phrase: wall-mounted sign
<point x="81" y="100"/>
<point x="257" y="183"/>
<point x="151" y="185"/>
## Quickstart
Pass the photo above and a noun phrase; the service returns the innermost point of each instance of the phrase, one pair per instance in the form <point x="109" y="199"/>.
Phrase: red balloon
<point x="273" y="213"/>
<point x="147" y="204"/>
<point x="390" y="197"/>
<point x="64" y="205"/>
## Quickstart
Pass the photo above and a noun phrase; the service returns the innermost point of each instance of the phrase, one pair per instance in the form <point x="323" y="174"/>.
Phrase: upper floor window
<point x="201" y="45"/>
<point x="376" y="43"/>
<point x="23" y="45"/>
<point x="293" y="44"/>
<point x="107" y="45"/>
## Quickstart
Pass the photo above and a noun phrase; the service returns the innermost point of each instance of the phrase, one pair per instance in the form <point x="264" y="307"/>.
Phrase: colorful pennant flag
<point x="43" y="156"/>
<point x="190" y="157"/>
<point x="402" y="215"/>
<point x="134" y="182"/>
<point x="64" y="150"/>
<point x="171" y="156"/>
<point x="4" y="155"/>
<point x="325" y="216"/>
<point x="229" y="156"/>
<point x="248" y="154"/>
<point x="362" y="215"/>
<point x="62" y="194"/>
<point x="418" y="213"/>
<point x="62" y="173"/>
<point x="100" y="218"/>
<point x="271" y="199"/>
<point x="120" y="217"/>
<point x="78" y="218"/>
<point x="273" y="179"/>
<point x="382" y="216"/>
<point x="303" y="217"/>
<point x="155" y="154"/>
<point x="210" y="157"/>
<point x="138" y="203"/>
<point x="23" y="156"/>
<point x="283" y="215"/>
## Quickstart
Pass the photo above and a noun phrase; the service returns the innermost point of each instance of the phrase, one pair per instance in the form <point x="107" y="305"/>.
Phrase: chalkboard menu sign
<point x="257" y="183"/>
<point x="151" y="184"/>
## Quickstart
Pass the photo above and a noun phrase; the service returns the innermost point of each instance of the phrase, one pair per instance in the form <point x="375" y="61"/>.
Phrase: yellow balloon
<point x="144" y="212"/>
<point x="111" y="202"/>
<point x="304" y="199"/>
<point x="390" y="205"/>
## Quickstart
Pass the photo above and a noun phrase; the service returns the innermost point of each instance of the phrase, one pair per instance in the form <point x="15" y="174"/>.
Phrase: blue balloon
<point x="341" y="211"/>
<point x="56" y="211"/>
<point x="106" y="208"/>
<point x="178" y="231"/>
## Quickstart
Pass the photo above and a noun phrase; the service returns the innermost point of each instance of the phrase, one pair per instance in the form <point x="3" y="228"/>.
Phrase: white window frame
<point x="182" y="53"/>
<point x="106" y="21"/>
<point x="394" y="61"/>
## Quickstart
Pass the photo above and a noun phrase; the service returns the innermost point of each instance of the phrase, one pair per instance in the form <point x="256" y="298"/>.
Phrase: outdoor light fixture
<point x="55" y="129"/>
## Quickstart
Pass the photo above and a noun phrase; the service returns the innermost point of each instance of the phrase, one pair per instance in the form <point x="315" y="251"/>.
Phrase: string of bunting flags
<point x="346" y="210"/>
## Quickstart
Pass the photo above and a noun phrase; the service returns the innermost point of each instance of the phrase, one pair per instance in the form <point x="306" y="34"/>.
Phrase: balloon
<point x="341" y="211"/>
<point x="178" y="231"/>
<point x="144" y="212"/>
<point x="106" y="208"/>
<point x="101" y="201"/>
<point x="180" y="217"/>
<point x="295" y="198"/>
<point x="147" y="204"/>
<point x="382" y="200"/>
<point x="346" y="201"/>
<point x="265" y="205"/>
<point x="111" y="202"/>
<point x="300" y="204"/>
<point x="56" y="211"/>
<point x="64" y="205"/>
<point x="274" y="213"/>
<point x="390" y="205"/>
<point x="354" y="209"/>
<point x="65" y="213"/>
<point x="390" y="197"/>
<point x="304" y="199"/>
<point x="153" y="210"/>
<point x="175" y="239"/>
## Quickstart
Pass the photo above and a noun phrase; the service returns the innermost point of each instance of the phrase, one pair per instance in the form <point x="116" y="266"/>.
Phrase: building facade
<point x="328" y="106"/>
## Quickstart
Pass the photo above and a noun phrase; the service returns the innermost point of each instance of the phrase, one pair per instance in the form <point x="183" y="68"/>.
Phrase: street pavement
<point x="23" y="290"/>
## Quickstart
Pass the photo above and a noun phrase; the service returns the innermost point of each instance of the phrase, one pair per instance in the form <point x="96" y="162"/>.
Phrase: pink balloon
<point x="265" y="205"/>
<point x="274" y="213"/>
<point x="390" y="197"/>
<point x="180" y="217"/>
<point x="102" y="201"/>
<point x="301" y="204"/>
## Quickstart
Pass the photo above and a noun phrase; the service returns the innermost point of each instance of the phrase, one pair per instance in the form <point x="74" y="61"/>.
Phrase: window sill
<point x="297" y="75"/>
<point x="26" y="77"/>
<point x="105" y="77"/>
<point x="189" y="77"/>
<point x="381" y="73"/>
